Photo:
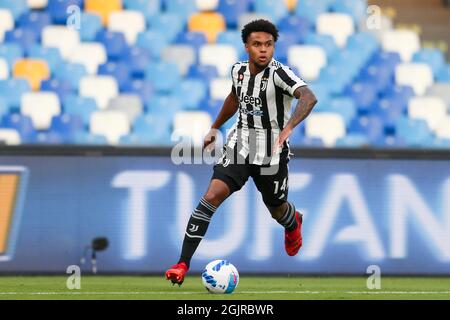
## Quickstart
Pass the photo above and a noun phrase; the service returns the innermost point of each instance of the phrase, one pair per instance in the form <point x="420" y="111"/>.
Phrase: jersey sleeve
<point x="286" y="79"/>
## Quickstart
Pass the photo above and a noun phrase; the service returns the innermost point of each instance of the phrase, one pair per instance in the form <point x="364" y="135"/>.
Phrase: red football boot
<point x="176" y="273"/>
<point x="293" y="239"/>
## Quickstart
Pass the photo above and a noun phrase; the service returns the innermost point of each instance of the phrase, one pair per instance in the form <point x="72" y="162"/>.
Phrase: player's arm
<point x="229" y="108"/>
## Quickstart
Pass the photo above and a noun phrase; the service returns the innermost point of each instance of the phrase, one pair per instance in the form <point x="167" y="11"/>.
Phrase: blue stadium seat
<point x="150" y="8"/>
<point x="364" y="42"/>
<point x="335" y="77"/>
<point x="153" y="41"/>
<point x="364" y="95"/>
<point x="204" y="72"/>
<point x="61" y="87"/>
<point x="34" y="20"/>
<point x="13" y="89"/>
<point x="386" y="59"/>
<point x="137" y="60"/>
<point x="414" y="132"/>
<point x="182" y="8"/>
<point x="58" y="9"/>
<point x="370" y="126"/>
<point x="49" y="137"/>
<point x="211" y="106"/>
<point x="232" y="10"/>
<point x="285" y="41"/>
<point x="21" y="123"/>
<point x="355" y="8"/>
<point x="26" y="38"/>
<point x="164" y="76"/>
<point x="82" y="106"/>
<point x="274" y="9"/>
<point x="51" y="55"/>
<point x="164" y="106"/>
<point x="92" y="24"/>
<point x="67" y="125"/>
<point x="444" y="74"/>
<point x="402" y="93"/>
<point x="349" y="61"/>
<point x="380" y="76"/>
<point x="193" y="38"/>
<point x="152" y="129"/>
<point x="295" y="25"/>
<point x="192" y="92"/>
<point x="353" y="141"/>
<point x="299" y="140"/>
<point x="390" y="141"/>
<point x="441" y="143"/>
<point x="17" y="7"/>
<point x="86" y="138"/>
<point x="115" y="43"/>
<point x="232" y="38"/>
<point x="72" y="72"/>
<point x="311" y="9"/>
<point x="433" y="57"/>
<point x="390" y="109"/>
<point x="4" y="107"/>
<point x="141" y="87"/>
<point x="169" y="25"/>
<point x="323" y="40"/>
<point x="119" y="70"/>
<point x="11" y="52"/>
<point x="345" y="107"/>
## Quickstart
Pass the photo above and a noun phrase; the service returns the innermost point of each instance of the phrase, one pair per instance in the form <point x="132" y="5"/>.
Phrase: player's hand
<point x="281" y="139"/>
<point x="210" y="139"/>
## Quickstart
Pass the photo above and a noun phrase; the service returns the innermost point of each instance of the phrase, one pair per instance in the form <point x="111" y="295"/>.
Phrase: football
<point x="220" y="276"/>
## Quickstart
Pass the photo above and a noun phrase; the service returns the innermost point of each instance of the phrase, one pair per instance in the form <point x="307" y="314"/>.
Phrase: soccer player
<point x="257" y="146"/>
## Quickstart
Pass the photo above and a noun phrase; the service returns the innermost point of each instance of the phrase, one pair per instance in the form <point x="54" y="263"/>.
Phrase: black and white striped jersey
<point x="265" y="103"/>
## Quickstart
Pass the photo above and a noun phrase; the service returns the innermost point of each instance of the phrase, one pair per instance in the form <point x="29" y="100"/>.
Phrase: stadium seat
<point x="40" y="107"/>
<point x="86" y="138"/>
<point x="12" y="90"/>
<point x="275" y="9"/>
<point x="311" y="9"/>
<point x="21" y="123"/>
<point x="182" y="8"/>
<point x="212" y="106"/>
<point x="115" y="43"/>
<point x="193" y="125"/>
<point x="444" y="74"/>
<point x="11" y="52"/>
<point x="130" y="23"/>
<point x="103" y="8"/>
<point x="71" y="72"/>
<point x="345" y="107"/>
<point x="81" y="106"/>
<point x="429" y="108"/>
<point x="182" y="55"/>
<point x="169" y="25"/>
<point x="156" y="128"/>
<point x="26" y="38"/>
<point x="16" y="7"/>
<point x="165" y="106"/>
<point x="62" y="88"/>
<point x="405" y="42"/>
<point x="61" y="37"/>
<point x="204" y="72"/>
<point x="9" y="137"/>
<point x="232" y="38"/>
<point x="296" y="26"/>
<point x="284" y="43"/>
<point x="194" y="39"/>
<point x="129" y="104"/>
<point x="4" y="107"/>
<point x="353" y="140"/>
<point x="355" y="8"/>
<point x="90" y="55"/>
<point x="364" y="42"/>
<point x="4" y="69"/>
<point x="210" y="23"/>
<point x="414" y="132"/>
<point x="118" y="70"/>
<point x="308" y="59"/>
<point x="6" y="22"/>
<point x="220" y="88"/>
<point x="67" y="125"/>
<point x="164" y="76"/>
<point x="111" y="124"/>
<point x="443" y="128"/>
<point x="34" y="70"/>
<point x="221" y="56"/>
<point x="206" y="5"/>
<point x="339" y="25"/>
<point x="143" y="88"/>
<point x="58" y="9"/>
<point x="101" y="88"/>
<point x="34" y="20"/>
<point x="417" y="75"/>
<point x="92" y="24"/>
<point x="51" y="56"/>
<point x="137" y="60"/>
<point x="327" y="126"/>
<point x="433" y="57"/>
<point x="37" y="4"/>
<point x="192" y="92"/>
<point x="231" y="10"/>
<point x="442" y="90"/>
<point x="380" y="76"/>
<point x="364" y="94"/>
<point x="369" y="126"/>
<point x="322" y="40"/>
<point x="390" y="109"/>
<point x="153" y="41"/>
<point x="149" y="8"/>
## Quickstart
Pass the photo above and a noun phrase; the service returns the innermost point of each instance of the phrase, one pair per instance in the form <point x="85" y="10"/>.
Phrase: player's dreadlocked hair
<point x="259" y="25"/>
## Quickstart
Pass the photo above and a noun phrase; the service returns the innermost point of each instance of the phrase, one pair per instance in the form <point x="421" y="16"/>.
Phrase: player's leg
<point x="274" y="190"/>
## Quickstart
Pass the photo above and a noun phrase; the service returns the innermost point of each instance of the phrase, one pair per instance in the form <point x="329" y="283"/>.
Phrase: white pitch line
<point x="236" y="293"/>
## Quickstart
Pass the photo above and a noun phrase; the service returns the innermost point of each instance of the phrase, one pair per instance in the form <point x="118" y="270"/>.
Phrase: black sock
<point x="196" y="229"/>
<point x="288" y="220"/>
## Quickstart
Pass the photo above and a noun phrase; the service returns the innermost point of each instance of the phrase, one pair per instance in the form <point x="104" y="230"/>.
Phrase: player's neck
<point x="255" y="69"/>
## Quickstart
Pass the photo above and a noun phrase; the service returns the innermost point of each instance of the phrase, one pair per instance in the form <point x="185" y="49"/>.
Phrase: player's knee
<point x="215" y="197"/>
<point x="277" y="211"/>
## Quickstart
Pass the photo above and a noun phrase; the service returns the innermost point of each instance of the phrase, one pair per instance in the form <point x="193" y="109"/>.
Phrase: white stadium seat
<point x="220" y="88"/>
<point x="404" y="42"/>
<point x="417" y="75"/>
<point x="442" y="90"/>
<point x="60" y="37"/>
<point x="4" y="69"/>
<point x="9" y="137"/>
<point x="431" y="109"/>
<point x="129" y="22"/>
<point x="6" y="22"/>
<point x="222" y="56"/>
<point x="111" y="124"/>
<point x="37" y="4"/>
<point x="308" y="59"/>
<point x="325" y="125"/>
<point x="339" y="25"/>
<point x="101" y="88"/>
<point x="89" y="54"/>
<point x="207" y="5"/>
<point x="192" y="124"/>
<point x="443" y="128"/>
<point x="129" y="104"/>
<point x="41" y="107"/>
<point x="182" y="55"/>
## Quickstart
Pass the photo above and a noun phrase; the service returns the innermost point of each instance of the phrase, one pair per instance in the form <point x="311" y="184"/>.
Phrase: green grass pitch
<point x="250" y="288"/>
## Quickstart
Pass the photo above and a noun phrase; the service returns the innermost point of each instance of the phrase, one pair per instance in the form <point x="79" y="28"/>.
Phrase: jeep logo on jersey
<point x="12" y="188"/>
<point x="254" y="101"/>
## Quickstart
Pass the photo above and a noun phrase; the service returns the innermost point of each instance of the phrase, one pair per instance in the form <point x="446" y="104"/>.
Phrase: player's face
<point x="260" y="47"/>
